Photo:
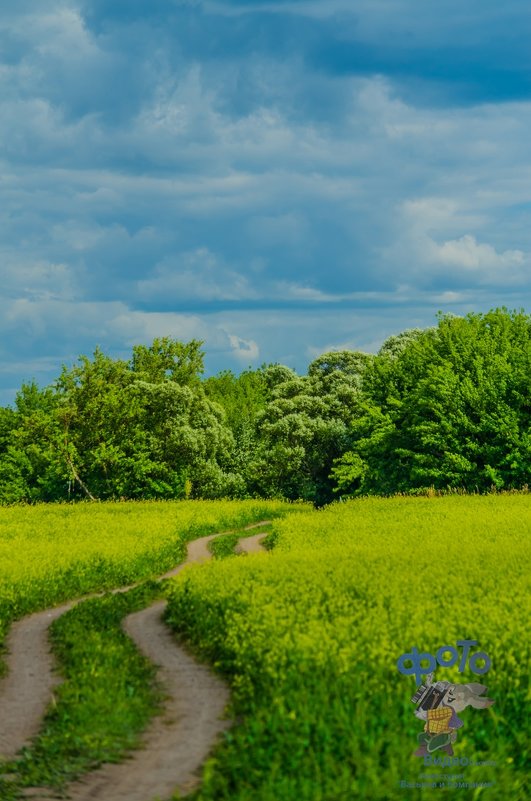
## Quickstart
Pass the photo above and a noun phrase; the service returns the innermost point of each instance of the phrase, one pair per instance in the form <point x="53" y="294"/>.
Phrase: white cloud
<point x="441" y="215"/>
<point x="57" y="33"/>
<point x="196" y="275"/>
<point x="133" y="326"/>
<point x="470" y="255"/>
<point x="246" y="350"/>
<point x="424" y="243"/>
<point x="41" y="280"/>
<point x="291" y="291"/>
<point x="61" y="33"/>
<point x="115" y="325"/>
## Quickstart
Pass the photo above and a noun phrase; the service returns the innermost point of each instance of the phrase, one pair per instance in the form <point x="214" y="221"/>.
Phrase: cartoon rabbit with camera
<point x="438" y="704"/>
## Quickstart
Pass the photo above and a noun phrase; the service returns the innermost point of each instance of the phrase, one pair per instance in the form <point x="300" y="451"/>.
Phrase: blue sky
<point x="276" y="178"/>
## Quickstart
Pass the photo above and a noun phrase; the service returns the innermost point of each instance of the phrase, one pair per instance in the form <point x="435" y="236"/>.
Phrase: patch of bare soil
<point x="27" y="689"/>
<point x="251" y="544"/>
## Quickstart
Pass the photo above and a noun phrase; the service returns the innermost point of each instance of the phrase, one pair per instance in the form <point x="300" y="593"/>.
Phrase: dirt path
<point x="174" y="745"/>
<point x="27" y="689"/>
<point x="251" y="544"/>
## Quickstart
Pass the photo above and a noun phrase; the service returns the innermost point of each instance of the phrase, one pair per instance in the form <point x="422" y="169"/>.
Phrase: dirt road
<point x="175" y="744"/>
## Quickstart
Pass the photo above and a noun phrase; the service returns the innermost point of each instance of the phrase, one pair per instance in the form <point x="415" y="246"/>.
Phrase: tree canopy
<point x="449" y="408"/>
<point x="446" y="407"/>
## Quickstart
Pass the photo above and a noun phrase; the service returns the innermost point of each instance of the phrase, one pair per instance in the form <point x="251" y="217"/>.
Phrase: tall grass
<point x="310" y="634"/>
<point x="53" y="552"/>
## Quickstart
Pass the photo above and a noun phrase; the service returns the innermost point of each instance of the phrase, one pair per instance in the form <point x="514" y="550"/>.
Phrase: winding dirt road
<point x="250" y="544"/>
<point x="175" y="744"/>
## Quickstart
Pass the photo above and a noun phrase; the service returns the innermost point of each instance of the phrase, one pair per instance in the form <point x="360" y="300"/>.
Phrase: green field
<point x="51" y="553"/>
<point x="307" y="635"/>
<point x="310" y="636"/>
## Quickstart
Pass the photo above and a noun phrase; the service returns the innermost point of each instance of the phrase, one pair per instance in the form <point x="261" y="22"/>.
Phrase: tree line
<point x="448" y="407"/>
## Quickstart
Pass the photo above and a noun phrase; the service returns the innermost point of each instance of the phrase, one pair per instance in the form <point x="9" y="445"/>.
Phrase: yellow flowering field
<point x="310" y="634"/>
<point x="53" y="552"/>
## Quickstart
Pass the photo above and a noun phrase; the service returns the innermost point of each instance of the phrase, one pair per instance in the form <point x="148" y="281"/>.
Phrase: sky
<point x="278" y="179"/>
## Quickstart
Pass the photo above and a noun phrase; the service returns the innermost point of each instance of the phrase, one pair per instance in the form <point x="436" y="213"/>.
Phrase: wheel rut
<point x="175" y="743"/>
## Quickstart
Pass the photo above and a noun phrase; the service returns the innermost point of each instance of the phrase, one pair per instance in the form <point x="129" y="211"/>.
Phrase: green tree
<point x="142" y="428"/>
<point x="242" y="398"/>
<point x="29" y="465"/>
<point x="167" y="358"/>
<point x="305" y="425"/>
<point x="449" y="409"/>
<point x="111" y="428"/>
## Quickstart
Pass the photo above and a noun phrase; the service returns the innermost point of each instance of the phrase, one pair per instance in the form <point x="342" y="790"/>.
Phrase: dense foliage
<point x="447" y="407"/>
<point x="309" y="637"/>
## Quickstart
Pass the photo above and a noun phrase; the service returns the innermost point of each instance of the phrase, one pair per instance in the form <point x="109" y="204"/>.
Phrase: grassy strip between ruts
<point x="109" y="695"/>
<point x="223" y="547"/>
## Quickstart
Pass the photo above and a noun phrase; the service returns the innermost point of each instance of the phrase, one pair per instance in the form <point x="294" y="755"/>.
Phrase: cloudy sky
<point x="276" y="178"/>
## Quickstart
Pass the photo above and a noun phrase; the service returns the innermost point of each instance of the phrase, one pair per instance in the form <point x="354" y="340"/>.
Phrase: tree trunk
<point x="77" y="478"/>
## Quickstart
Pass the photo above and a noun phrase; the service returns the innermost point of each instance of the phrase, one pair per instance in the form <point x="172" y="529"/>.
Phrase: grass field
<point x="309" y="637"/>
<point x="51" y="553"/>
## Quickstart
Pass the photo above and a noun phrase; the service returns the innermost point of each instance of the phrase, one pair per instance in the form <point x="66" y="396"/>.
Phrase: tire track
<point x="174" y="745"/>
<point x="251" y="544"/>
<point x="27" y="689"/>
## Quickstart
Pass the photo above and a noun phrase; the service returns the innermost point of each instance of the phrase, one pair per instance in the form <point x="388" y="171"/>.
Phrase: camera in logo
<point x="430" y="696"/>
